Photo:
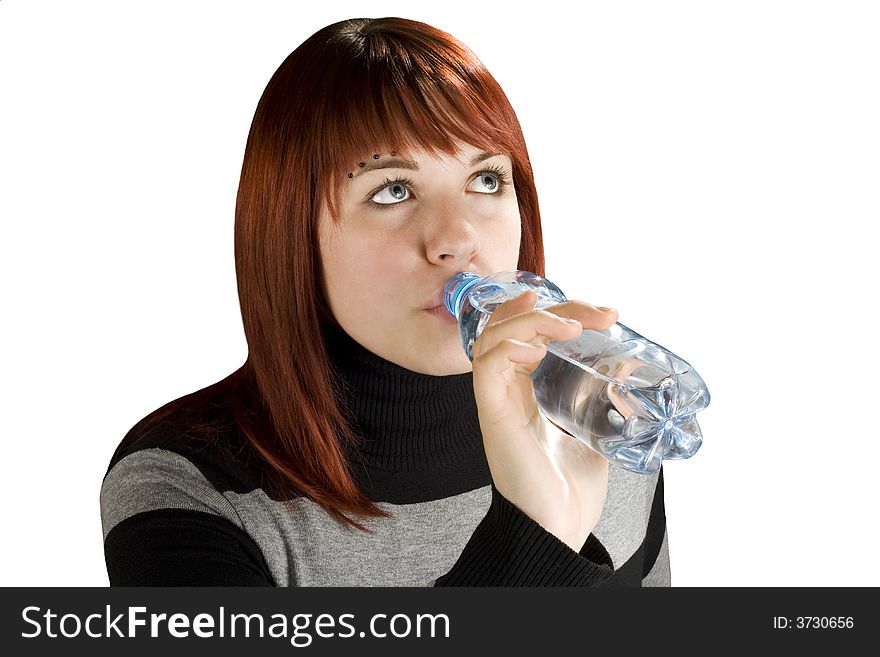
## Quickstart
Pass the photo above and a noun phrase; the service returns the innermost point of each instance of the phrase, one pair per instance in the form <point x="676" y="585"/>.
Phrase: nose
<point x="452" y="237"/>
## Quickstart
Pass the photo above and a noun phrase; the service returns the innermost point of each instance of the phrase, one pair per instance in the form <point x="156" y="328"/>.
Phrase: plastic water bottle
<point x="627" y="398"/>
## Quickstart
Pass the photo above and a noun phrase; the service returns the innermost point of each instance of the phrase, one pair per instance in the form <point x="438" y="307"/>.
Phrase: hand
<point x="553" y="478"/>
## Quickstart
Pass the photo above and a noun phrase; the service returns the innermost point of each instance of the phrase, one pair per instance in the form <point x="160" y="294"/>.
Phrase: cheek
<point x="360" y="267"/>
<point x="503" y="238"/>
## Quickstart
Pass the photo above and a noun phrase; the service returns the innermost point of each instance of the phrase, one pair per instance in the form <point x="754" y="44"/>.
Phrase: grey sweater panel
<point x="304" y="546"/>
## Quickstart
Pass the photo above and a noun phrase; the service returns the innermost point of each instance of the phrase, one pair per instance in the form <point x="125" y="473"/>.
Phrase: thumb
<point x="516" y="306"/>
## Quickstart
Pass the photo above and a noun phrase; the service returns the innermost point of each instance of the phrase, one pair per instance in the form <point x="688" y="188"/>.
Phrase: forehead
<point x="466" y="155"/>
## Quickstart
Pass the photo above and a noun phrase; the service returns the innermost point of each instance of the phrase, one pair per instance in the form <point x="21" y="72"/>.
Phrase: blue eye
<point x="394" y="192"/>
<point x="492" y="179"/>
<point x="397" y="189"/>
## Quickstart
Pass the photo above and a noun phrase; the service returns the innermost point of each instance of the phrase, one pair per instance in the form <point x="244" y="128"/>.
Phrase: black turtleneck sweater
<point x="177" y="514"/>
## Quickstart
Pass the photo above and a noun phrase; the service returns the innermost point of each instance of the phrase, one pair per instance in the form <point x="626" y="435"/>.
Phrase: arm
<point x="508" y="548"/>
<point x="180" y="547"/>
<point x="656" y="570"/>
<point x="165" y="525"/>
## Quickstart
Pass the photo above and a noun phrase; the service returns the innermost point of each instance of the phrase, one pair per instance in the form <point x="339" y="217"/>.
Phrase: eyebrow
<point x="404" y="163"/>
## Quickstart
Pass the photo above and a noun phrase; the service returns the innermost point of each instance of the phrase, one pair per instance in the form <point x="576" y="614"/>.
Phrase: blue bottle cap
<point x="455" y="290"/>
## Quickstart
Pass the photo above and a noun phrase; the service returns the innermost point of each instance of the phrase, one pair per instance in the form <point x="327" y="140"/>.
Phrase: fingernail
<point x="570" y="321"/>
<point x="605" y="308"/>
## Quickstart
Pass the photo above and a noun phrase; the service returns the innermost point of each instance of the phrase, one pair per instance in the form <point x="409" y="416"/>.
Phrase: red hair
<point x="351" y="87"/>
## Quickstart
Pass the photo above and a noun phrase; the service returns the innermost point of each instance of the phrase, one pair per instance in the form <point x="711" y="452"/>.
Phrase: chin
<point x="455" y="361"/>
<point x="445" y="360"/>
<point x="441" y="344"/>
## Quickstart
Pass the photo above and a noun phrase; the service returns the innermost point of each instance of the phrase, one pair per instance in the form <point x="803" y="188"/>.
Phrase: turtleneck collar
<point x="410" y="422"/>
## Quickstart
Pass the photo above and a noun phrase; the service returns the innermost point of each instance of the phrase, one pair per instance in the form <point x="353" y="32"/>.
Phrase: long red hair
<point x="351" y="87"/>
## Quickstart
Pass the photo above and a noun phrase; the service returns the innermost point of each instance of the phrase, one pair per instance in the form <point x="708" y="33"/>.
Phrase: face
<point x="405" y="228"/>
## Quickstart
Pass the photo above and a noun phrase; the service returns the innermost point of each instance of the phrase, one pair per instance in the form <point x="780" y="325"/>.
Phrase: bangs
<point x="406" y="96"/>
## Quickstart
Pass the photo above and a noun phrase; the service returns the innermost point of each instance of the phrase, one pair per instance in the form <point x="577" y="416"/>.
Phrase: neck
<point x="408" y="420"/>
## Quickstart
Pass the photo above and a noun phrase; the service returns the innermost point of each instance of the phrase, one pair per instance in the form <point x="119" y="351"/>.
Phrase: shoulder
<point x="179" y="465"/>
<point x="167" y="510"/>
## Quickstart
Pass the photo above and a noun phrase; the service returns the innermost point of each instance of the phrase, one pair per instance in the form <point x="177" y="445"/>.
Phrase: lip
<point x="433" y="302"/>
<point x="437" y="299"/>
<point x="441" y="313"/>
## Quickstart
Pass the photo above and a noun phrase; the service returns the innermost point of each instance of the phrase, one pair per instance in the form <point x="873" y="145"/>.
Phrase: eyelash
<point x="499" y="172"/>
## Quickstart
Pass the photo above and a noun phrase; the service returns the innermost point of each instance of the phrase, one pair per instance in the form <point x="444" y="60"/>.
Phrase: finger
<point x="519" y="304"/>
<point x="495" y="369"/>
<point x="536" y="327"/>
<point x="590" y="316"/>
<point x="511" y="351"/>
<point x="618" y="398"/>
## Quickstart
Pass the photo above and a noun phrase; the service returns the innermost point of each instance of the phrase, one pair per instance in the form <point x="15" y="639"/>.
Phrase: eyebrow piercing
<point x="363" y="164"/>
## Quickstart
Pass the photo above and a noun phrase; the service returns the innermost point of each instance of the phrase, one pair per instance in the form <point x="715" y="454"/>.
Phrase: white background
<point x="710" y="169"/>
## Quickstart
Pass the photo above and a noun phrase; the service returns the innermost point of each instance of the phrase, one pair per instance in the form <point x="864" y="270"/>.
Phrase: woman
<point x="358" y="445"/>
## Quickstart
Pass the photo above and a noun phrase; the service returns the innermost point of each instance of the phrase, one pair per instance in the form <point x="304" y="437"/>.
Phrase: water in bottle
<point x="626" y="397"/>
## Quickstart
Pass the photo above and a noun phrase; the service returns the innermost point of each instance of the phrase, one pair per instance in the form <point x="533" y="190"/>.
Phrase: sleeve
<point x="656" y="571"/>
<point x="508" y="548"/>
<point x="165" y="525"/>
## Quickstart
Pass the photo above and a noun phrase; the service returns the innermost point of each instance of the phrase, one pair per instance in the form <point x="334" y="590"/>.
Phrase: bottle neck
<point x="456" y="290"/>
